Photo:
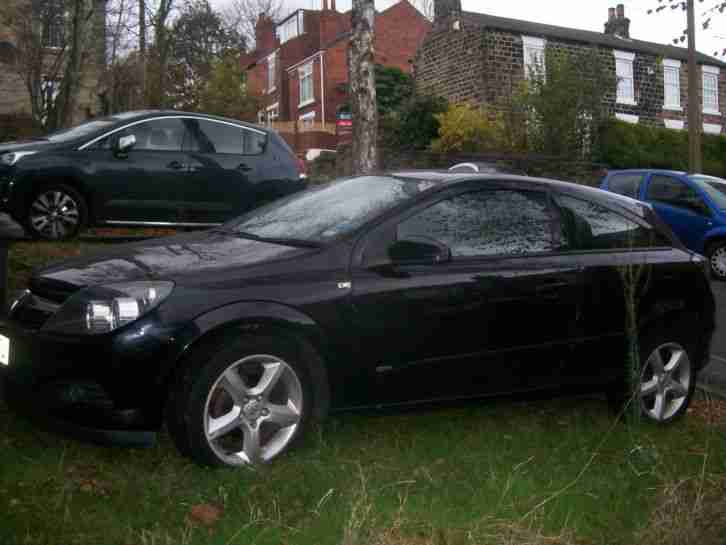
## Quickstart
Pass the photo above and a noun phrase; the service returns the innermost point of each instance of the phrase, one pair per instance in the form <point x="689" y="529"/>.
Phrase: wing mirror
<point x="125" y="143"/>
<point x="418" y="251"/>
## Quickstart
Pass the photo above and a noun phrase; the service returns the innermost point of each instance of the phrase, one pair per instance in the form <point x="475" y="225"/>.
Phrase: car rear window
<point x="625" y="184"/>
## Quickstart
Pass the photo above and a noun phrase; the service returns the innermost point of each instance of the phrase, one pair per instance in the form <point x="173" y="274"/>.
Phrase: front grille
<point x="33" y="311"/>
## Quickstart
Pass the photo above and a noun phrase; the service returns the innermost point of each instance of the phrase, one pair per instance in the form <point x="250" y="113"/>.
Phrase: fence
<point x="305" y="135"/>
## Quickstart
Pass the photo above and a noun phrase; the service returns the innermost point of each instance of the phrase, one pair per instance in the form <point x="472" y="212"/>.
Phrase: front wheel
<point x="245" y="406"/>
<point x="56" y="212"/>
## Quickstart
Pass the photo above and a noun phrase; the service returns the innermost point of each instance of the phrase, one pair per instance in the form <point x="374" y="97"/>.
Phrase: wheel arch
<point x="686" y="319"/>
<point x="717" y="236"/>
<point x="253" y="319"/>
<point x="38" y="181"/>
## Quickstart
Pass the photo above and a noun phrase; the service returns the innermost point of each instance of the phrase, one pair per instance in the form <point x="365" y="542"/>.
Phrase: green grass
<point x="500" y="472"/>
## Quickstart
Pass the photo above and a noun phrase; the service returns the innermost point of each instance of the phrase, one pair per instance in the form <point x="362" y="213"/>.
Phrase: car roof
<point x="137" y="115"/>
<point x="648" y="171"/>
<point x="591" y="193"/>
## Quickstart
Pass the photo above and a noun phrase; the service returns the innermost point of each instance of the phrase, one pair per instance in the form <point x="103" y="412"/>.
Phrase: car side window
<point x="585" y="225"/>
<point x="625" y="184"/>
<point x="486" y="223"/>
<point x="669" y="190"/>
<point x="214" y="137"/>
<point x="156" y="135"/>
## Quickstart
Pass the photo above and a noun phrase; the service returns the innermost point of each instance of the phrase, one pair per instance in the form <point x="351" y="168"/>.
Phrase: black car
<point x="147" y="168"/>
<point x="368" y="292"/>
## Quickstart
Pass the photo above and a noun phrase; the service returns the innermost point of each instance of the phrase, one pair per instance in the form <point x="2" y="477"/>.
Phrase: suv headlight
<point x="101" y="309"/>
<point x="13" y="157"/>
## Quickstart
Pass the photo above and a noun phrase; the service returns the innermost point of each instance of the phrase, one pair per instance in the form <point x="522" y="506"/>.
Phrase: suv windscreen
<point x="672" y="191"/>
<point x="715" y="188"/>
<point x="324" y="213"/>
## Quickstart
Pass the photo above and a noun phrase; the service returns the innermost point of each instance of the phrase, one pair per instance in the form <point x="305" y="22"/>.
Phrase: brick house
<point x="52" y="24"/>
<point x="475" y="57"/>
<point x="300" y="66"/>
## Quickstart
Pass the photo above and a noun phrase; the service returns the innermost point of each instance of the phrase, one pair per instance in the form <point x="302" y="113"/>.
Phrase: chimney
<point x="265" y="33"/>
<point x="618" y="24"/>
<point x="325" y="5"/>
<point x="444" y="9"/>
<point x="332" y="5"/>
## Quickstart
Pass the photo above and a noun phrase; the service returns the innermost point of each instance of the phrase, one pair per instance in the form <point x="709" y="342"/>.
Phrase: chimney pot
<point x="325" y="5"/>
<point x="621" y="11"/>
<point x="611" y="14"/>
<point x="332" y="5"/>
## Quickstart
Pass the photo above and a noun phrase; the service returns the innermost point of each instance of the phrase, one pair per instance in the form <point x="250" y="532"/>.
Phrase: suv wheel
<point x="717" y="260"/>
<point x="56" y="212"/>
<point x="246" y="405"/>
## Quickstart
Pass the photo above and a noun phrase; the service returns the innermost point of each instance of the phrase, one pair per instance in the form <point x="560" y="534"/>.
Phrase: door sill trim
<point x="160" y="223"/>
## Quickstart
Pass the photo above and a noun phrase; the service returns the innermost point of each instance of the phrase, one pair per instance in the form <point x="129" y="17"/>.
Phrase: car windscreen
<point x="327" y="212"/>
<point x="714" y="187"/>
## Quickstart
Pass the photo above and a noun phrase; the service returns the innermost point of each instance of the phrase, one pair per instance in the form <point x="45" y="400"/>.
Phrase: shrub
<point x="624" y="145"/>
<point x="414" y="126"/>
<point x="467" y="129"/>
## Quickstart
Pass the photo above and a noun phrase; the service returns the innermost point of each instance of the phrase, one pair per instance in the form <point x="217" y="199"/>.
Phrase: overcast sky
<point x="583" y="14"/>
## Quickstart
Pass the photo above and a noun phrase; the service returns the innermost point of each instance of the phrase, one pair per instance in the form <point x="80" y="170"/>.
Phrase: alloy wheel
<point x="718" y="261"/>
<point x="253" y="410"/>
<point x="54" y="214"/>
<point x="665" y="382"/>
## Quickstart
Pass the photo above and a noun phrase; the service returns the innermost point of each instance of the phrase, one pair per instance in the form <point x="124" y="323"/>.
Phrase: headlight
<point x="102" y="309"/>
<point x="13" y="157"/>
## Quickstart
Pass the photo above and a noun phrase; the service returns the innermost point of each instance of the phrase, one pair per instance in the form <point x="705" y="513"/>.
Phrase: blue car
<point x="693" y="205"/>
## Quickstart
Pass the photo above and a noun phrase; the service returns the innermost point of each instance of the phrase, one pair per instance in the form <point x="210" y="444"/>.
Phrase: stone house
<point x="300" y="66"/>
<point x="52" y="21"/>
<point x="475" y="57"/>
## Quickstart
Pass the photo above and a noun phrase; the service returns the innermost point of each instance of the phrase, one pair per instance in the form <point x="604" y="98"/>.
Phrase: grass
<point x="500" y="472"/>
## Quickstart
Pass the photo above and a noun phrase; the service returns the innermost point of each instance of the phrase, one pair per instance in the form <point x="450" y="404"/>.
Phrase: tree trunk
<point x="142" y="51"/>
<point x="73" y="73"/>
<point x="362" y="77"/>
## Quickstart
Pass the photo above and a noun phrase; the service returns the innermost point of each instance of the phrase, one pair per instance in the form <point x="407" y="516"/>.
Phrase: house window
<point x="626" y="81"/>
<point x="675" y="124"/>
<point x="291" y="28"/>
<point x="672" y="84"/>
<point x="711" y="128"/>
<point x="53" y="23"/>
<point x="269" y="115"/>
<point x="307" y="94"/>
<point x="534" y="56"/>
<point x="307" y="121"/>
<point x="272" y="72"/>
<point x="710" y="90"/>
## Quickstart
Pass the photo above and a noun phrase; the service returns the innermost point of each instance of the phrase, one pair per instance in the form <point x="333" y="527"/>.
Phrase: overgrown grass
<point x="497" y="472"/>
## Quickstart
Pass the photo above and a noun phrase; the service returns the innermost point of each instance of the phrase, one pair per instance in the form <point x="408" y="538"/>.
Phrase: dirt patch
<point x="711" y="411"/>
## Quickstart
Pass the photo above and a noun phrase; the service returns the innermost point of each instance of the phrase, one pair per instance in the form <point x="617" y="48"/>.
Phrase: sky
<point x="582" y="14"/>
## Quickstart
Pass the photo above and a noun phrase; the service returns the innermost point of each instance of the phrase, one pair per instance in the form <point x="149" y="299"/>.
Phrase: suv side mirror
<point x="419" y="250"/>
<point x="125" y="143"/>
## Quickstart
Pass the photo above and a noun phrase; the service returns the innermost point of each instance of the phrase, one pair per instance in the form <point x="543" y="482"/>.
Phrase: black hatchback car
<point x="148" y="168"/>
<point x="368" y="292"/>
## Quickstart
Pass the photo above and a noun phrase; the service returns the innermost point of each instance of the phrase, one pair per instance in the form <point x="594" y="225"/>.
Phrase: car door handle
<point x="176" y="165"/>
<point x="243" y="167"/>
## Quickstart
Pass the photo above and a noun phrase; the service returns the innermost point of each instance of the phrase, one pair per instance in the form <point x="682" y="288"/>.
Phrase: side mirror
<point x="418" y="251"/>
<point x="125" y="143"/>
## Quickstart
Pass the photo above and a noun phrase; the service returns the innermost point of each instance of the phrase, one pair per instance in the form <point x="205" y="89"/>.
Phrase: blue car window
<point x="625" y="184"/>
<point x="674" y="192"/>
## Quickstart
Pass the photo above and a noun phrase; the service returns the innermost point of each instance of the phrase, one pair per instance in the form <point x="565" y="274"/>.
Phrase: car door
<point x="226" y="164"/>
<point x="681" y="207"/>
<point x="604" y="243"/>
<point x="498" y="317"/>
<point x="142" y="185"/>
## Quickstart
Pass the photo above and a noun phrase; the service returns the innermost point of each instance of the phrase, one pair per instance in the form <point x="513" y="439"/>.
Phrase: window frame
<point x="625" y="59"/>
<point x="272" y="72"/>
<point x="711" y="73"/>
<point x="241" y="129"/>
<point x="306" y="72"/>
<point x="673" y="67"/>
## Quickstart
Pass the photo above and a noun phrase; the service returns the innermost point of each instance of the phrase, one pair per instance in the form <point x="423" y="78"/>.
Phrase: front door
<point x="681" y="207"/>
<point x="141" y="186"/>
<point x="225" y="167"/>
<point x="499" y="317"/>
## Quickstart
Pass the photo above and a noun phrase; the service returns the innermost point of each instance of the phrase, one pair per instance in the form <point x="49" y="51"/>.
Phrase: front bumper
<point x="103" y="390"/>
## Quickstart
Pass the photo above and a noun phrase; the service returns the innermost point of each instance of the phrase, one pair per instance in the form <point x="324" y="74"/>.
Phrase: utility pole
<point x="694" y="104"/>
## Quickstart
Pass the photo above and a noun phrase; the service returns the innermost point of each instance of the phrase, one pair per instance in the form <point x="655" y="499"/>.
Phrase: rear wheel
<point x="717" y="260"/>
<point x="56" y="212"/>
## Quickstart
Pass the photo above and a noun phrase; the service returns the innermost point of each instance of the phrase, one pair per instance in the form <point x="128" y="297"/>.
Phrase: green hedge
<point x="624" y="145"/>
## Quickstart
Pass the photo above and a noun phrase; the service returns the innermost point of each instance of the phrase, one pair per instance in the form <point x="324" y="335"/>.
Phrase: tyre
<point x="245" y="404"/>
<point x="666" y="379"/>
<point x="717" y="260"/>
<point x="56" y="212"/>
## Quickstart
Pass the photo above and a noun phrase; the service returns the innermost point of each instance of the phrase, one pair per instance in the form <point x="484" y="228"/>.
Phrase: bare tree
<point x="242" y="15"/>
<point x="713" y="10"/>
<point x="142" y="48"/>
<point x="426" y="7"/>
<point x="362" y="77"/>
